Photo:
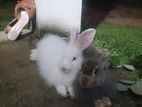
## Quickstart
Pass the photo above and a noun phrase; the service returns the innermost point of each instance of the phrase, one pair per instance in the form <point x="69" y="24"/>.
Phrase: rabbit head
<point x="72" y="58"/>
<point x="93" y="72"/>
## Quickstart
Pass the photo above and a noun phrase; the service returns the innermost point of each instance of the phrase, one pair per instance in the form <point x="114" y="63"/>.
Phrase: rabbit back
<point x="49" y="52"/>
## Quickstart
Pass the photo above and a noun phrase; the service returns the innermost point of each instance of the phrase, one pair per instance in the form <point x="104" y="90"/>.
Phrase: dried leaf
<point x="137" y="88"/>
<point x="122" y="87"/>
<point x="128" y="82"/>
<point x="129" y="67"/>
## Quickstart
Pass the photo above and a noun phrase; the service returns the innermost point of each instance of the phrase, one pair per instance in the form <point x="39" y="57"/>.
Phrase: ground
<point x="20" y="84"/>
<point x="120" y="15"/>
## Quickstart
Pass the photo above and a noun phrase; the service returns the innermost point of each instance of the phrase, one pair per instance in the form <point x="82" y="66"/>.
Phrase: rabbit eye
<point x="95" y="70"/>
<point x="74" y="58"/>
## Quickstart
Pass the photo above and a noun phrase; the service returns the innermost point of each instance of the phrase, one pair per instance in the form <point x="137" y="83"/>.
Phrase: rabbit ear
<point x="73" y="37"/>
<point x="86" y="38"/>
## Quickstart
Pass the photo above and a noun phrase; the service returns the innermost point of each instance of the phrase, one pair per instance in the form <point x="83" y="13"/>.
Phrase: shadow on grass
<point x="94" y="12"/>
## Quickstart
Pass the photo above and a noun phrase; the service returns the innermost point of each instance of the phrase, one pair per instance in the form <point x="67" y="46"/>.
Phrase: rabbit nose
<point x="86" y="81"/>
<point x="63" y="68"/>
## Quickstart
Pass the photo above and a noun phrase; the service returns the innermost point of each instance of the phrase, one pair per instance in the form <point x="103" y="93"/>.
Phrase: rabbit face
<point x="71" y="60"/>
<point x="89" y="73"/>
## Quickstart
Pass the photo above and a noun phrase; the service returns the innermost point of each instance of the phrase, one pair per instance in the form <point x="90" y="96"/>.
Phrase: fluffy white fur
<point x="59" y="61"/>
<point x="62" y="15"/>
<point x="52" y="54"/>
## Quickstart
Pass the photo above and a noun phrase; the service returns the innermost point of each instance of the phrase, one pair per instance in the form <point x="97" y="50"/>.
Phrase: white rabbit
<point x="59" y="61"/>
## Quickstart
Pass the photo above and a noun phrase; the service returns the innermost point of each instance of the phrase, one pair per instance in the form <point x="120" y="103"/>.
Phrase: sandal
<point x="24" y="12"/>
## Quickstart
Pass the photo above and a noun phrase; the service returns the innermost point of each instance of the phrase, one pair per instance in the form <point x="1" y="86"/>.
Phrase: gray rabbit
<point x="94" y="84"/>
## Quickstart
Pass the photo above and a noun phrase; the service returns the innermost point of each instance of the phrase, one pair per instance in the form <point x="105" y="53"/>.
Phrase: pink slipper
<point x="17" y="28"/>
<point x="24" y="12"/>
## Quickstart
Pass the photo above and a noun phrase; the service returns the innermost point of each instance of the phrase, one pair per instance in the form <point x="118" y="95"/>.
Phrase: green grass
<point x="6" y="13"/>
<point x="123" y="42"/>
<point x="4" y="21"/>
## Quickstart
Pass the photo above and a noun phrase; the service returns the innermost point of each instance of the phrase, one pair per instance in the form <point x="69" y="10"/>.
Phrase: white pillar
<point x="60" y="15"/>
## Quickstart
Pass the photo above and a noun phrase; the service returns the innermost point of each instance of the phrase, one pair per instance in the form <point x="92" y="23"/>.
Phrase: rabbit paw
<point x="62" y="90"/>
<point x="104" y="102"/>
<point x="33" y="54"/>
<point x="71" y="92"/>
<point x="107" y="102"/>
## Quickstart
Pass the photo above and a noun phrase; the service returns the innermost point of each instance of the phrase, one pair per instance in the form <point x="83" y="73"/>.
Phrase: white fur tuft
<point x="33" y="54"/>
